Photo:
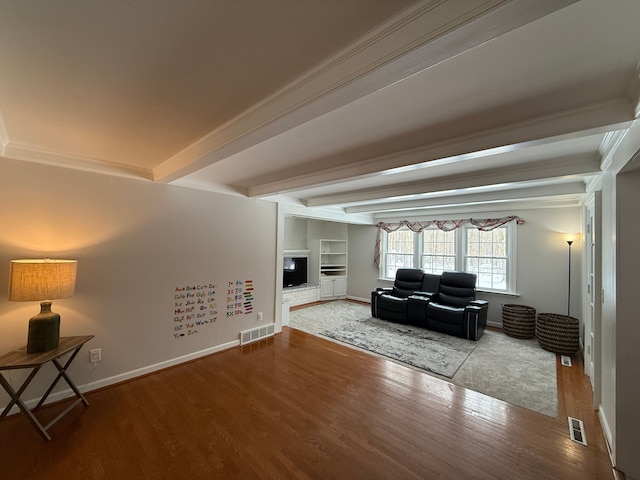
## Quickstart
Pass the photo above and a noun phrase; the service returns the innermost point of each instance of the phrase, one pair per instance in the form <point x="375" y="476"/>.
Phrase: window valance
<point x="484" y="224"/>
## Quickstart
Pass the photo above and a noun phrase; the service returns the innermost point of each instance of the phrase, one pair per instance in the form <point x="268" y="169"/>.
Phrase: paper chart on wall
<point x="239" y="297"/>
<point x="196" y="307"/>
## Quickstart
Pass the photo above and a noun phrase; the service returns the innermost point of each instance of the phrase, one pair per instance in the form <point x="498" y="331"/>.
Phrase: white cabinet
<point x="333" y="287"/>
<point x="329" y="267"/>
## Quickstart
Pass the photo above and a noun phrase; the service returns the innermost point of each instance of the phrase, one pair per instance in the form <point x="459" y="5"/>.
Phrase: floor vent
<point x="565" y="360"/>
<point x="576" y="429"/>
<point x="257" y="333"/>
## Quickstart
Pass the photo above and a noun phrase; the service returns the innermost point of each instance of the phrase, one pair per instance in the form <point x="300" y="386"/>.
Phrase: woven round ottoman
<point x="558" y="333"/>
<point x="518" y="321"/>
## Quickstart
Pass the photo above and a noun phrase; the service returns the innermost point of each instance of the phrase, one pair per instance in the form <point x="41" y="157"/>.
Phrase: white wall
<point x="542" y="263"/>
<point x="620" y="360"/>
<point x="363" y="275"/>
<point x="607" y="405"/>
<point x="135" y="243"/>
<point x="627" y="324"/>
<point x="299" y="231"/>
<point x="295" y="233"/>
<point x="319" y="229"/>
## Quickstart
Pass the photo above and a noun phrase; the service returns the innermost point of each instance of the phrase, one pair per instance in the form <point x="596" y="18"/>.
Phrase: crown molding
<point x="608" y="147"/>
<point x="593" y="183"/>
<point x="48" y="157"/>
<point x="421" y="36"/>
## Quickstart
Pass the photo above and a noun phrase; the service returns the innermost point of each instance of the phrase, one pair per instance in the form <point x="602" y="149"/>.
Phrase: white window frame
<point x="460" y="249"/>
<point x="455" y="255"/>
<point x="509" y="258"/>
<point x="384" y="244"/>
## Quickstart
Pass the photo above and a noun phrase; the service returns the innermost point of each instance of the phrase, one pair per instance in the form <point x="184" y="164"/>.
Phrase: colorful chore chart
<point x="196" y="305"/>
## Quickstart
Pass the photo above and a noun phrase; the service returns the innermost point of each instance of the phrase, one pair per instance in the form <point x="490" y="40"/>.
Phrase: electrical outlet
<point x="95" y="355"/>
<point x="259" y="316"/>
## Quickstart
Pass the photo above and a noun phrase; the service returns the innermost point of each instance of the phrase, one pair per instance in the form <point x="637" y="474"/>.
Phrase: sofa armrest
<point x="427" y="295"/>
<point x="479" y="303"/>
<point x="475" y="320"/>
<point x="375" y="295"/>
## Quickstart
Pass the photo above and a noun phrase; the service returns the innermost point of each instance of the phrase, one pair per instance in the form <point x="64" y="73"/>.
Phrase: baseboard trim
<point x="123" y="377"/>
<point x="359" y="299"/>
<point x="608" y="436"/>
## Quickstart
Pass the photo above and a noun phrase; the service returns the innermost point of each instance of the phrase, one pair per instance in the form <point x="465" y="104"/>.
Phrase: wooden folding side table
<point x="20" y="359"/>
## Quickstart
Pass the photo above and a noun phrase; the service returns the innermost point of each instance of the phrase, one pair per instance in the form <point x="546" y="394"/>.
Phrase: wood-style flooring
<point x="298" y="406"/>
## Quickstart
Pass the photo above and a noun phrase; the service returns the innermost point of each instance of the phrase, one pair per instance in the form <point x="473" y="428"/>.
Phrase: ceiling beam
<point x="573" y="188"/>
<point x="565" y="166"/>
<point x="423" y="35"/>
<point x="488" y="209"/>
<point x="596" y="118"/>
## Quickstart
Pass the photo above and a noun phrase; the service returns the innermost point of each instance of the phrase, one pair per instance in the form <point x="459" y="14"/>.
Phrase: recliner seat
<point x="391" y="303"/>
<point x="455" y="310"/>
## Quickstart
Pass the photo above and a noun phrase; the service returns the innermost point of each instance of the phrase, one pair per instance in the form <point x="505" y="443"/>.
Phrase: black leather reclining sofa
<point x="444" y="303"/>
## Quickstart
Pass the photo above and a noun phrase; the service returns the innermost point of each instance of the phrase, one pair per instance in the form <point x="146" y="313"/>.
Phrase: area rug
<point x="514" y="370"/>
<point x="431" y="351"/>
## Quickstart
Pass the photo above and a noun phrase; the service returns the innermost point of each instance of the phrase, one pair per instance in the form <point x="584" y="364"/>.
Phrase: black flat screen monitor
<point x="295" y="271"/>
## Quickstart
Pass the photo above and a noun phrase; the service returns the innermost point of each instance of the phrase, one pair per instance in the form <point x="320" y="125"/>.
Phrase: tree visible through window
<point x="487" y="254"/>
<point x="438" y="251"/>
<point x="399" y="252"/>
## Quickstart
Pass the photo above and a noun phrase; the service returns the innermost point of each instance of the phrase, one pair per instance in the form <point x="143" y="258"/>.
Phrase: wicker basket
<point x="519" y="321"/>
<point x="558" y="333"/>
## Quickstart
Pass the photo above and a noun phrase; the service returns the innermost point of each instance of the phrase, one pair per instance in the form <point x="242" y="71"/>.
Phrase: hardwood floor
<point x="298" y="406"/>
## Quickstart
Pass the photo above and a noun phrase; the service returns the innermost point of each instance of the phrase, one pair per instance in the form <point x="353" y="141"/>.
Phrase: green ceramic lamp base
<point x="44" y="330"/>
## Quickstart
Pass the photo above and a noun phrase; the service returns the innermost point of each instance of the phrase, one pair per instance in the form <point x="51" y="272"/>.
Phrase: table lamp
<point x="42" y="280"/>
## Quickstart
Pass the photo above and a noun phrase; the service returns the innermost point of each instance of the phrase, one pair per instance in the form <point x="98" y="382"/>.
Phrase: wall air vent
<point x="258" y="333"/>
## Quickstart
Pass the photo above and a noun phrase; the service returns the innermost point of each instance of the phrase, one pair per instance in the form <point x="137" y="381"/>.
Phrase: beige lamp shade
<point x="41" y="279"/>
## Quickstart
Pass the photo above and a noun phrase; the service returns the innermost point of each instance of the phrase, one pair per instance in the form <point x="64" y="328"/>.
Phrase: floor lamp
<point x="569" y="242"/>
<point x="569" y="238"/>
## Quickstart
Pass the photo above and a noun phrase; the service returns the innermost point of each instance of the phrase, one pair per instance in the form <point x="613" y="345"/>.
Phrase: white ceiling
<point x="367" y="109"/>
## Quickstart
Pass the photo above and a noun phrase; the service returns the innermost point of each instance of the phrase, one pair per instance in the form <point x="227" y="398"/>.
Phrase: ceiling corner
<point x="47" y="157"/>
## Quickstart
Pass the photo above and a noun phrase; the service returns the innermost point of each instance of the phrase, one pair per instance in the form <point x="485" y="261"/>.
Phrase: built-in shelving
<point x="329" y="266"/>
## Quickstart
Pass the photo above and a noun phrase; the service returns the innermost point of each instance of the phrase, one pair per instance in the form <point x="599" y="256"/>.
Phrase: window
<point x="487" y="254"/>
<point x="438" y="251"/>
<point x="399" y="252"/>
